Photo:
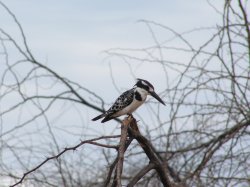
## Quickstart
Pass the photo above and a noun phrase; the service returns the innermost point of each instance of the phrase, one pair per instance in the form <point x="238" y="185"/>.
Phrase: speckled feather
<point x="124" y="100"/>
<point x="121" y="102"/>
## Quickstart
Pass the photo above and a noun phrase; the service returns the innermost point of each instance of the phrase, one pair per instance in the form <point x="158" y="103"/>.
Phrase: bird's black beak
<point x="157" y="97"/>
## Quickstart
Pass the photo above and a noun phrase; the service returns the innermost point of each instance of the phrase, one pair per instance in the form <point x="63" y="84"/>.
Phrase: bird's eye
<point x="146" y="88"/>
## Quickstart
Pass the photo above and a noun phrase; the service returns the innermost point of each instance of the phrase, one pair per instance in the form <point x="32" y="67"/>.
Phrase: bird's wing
<point x="121" y="102"/>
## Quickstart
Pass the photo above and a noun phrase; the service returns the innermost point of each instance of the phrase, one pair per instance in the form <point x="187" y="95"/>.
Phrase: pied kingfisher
<point x="130" y="100"/>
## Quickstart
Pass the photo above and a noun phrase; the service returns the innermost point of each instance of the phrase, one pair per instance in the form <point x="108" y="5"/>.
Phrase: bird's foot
<point x="130" y="116"/>
<point x="127" y="120"/>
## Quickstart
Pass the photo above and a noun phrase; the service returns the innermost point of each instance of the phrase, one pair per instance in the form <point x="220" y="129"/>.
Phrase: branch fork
<point x="130" y="129"/>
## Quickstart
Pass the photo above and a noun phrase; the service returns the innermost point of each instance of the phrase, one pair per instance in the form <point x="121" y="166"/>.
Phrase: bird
<point x="129" y="101"/>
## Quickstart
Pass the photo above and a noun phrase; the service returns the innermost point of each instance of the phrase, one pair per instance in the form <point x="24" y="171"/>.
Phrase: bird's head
<point x="148" y="88"/>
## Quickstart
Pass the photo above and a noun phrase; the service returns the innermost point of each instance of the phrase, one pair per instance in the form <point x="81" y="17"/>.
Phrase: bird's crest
<point x="144" y="84"/>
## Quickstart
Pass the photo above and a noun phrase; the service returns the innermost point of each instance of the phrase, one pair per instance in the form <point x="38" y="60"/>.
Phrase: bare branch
<point x="91" y="141"/>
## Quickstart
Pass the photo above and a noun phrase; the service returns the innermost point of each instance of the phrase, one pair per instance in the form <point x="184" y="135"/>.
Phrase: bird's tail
<point x="99" y="117"/>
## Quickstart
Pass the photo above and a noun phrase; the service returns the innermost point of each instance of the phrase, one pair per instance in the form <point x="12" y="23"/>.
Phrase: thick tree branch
<point x="112" y="166"/>
<point x="121" y="151"/>
<point x="151" y="154"/>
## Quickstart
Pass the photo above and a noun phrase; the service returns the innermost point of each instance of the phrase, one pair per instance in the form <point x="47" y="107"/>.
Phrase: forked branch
<point x="91" y="141"/>
<point x="129" y="127"/>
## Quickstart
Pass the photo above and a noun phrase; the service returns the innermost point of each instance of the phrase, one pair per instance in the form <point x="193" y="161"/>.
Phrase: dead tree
<point x="201" y="140"/>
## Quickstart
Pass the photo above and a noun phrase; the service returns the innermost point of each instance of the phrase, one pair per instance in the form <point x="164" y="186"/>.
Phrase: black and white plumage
<point x="130" y="100"/>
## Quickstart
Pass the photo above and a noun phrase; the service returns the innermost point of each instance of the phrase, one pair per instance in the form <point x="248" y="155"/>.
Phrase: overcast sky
<point x="75" y="33"/>
<point x="71" y="37"/>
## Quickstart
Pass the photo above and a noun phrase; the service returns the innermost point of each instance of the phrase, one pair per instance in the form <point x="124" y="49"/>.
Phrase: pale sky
<point x="70" y="36"/>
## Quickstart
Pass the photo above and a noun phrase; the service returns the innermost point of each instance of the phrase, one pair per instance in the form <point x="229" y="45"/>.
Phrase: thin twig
<point x="91" y="141"/>
<point x="141" y="174"/>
